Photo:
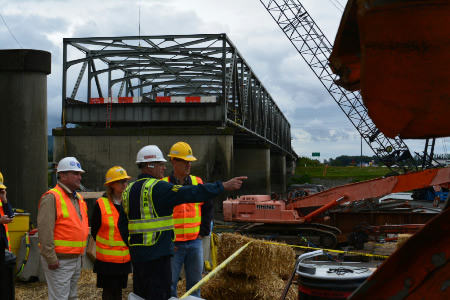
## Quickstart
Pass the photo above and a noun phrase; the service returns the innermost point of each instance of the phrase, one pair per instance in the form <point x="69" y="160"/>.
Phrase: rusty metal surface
<point x="396" y="52"/>
<point x="420" y="269"/>
<point x="347" y="221"/>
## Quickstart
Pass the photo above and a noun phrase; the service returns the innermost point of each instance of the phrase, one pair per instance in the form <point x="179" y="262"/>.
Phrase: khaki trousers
<point x="62" y="282"/>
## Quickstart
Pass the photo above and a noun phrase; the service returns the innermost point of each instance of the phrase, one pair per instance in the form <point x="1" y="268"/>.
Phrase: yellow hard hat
<point x="116" y="173"/>
<point x="2" y="186"/>
<point x="181" y="150"/>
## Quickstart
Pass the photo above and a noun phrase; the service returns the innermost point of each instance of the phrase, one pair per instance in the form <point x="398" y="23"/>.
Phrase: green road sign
<point x="316" y="154"/>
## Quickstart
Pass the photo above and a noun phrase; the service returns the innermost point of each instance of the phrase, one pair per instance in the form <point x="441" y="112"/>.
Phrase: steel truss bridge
<point x="145" y="73"/>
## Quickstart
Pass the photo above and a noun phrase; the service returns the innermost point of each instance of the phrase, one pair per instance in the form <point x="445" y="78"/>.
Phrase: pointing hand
<point x="234" y="183"/>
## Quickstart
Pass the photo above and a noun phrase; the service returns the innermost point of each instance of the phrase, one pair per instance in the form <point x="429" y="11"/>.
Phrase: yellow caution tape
<point x="331" y="250"/>
<point x="219" y="267"/>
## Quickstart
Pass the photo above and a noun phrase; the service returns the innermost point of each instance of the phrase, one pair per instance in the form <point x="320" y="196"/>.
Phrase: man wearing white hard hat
<point x="146" y="223"/>
<point x="63" y="231"/>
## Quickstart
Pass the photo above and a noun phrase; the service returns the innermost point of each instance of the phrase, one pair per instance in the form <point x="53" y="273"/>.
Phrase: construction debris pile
<point x="375" y="205"/>
<point x="257" y="273"/>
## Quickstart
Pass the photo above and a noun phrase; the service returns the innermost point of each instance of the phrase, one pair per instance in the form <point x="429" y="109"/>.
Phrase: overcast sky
<point x="317" y="122"/>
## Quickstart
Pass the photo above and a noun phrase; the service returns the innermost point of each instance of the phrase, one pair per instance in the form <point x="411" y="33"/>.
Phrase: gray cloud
<point x="318" y="124"/>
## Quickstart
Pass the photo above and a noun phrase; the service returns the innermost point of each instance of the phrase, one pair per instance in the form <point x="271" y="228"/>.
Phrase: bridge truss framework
<point x="149" y="67"/>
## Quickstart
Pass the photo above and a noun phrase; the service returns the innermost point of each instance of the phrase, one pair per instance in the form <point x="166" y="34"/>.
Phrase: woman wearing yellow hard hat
<point x="112" y="263"/>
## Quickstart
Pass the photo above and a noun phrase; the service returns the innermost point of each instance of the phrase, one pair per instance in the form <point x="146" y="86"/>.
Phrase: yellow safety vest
<point x="149" y="225"/>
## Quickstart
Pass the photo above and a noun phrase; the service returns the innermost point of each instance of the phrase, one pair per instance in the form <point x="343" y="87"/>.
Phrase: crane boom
<point x="314" y="47"/>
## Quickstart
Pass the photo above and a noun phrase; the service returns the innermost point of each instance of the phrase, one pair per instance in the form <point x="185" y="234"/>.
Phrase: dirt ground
<point x="87" y="284"/>
<point x="86" y="288"/>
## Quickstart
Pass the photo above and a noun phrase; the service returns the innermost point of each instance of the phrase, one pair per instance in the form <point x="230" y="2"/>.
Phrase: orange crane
<point x="267" y="217"/>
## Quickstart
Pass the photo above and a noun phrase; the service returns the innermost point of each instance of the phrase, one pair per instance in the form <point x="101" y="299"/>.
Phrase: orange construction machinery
<point x="397" y="54"/>
<point x="290" y="219"/>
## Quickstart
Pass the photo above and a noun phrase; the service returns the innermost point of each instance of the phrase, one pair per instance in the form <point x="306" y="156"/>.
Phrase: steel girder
<point x="170" y="65"/>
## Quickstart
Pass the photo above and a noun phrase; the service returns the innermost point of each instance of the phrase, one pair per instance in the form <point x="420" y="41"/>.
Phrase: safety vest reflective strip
<point x="187" y="228"/>
<point x="64" y="210"/>
<point x="2" y="213"/>
<point x="150" y="224"/>
<point x="72" y="239"/>
<point x="110" y="249"/>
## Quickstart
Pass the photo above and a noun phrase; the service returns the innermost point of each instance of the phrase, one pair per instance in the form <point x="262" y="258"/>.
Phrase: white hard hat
<point x="149" y="153"/>
<point x="69" y="164"/>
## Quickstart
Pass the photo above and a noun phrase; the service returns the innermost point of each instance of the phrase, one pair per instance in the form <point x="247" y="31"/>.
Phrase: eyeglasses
<point x="123" y="181"/>
<point x="157" y="164"/>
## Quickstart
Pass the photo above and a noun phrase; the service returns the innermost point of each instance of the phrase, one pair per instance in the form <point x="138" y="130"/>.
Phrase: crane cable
<point x="11" y="32"/>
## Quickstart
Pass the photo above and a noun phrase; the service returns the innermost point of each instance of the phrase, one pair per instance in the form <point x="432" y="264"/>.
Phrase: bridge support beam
<point x="278" y="172"/>
<point x="254" y="162"/>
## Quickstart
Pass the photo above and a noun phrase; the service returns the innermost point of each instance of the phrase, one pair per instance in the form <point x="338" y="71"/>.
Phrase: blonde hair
<point x="109" y="192"/>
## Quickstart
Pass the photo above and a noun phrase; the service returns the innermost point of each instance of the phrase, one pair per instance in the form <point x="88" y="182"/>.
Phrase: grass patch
<point x="356" y="173"/>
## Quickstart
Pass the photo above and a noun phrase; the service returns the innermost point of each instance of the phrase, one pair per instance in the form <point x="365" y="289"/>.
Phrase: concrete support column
<point x="278" y="172"/>
<point x="290" y="170"/>
<point x="23" y="125"/>
<point x="254" y="162"/>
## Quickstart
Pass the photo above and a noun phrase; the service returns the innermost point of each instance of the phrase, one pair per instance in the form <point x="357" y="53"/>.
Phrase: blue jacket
<point x="164" y="199"/>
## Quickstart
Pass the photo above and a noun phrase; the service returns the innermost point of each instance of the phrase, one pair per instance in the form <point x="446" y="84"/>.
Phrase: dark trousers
<point x="7" y="287"/>
<point x="152" y="279"/>
<point x="111" y="293"/>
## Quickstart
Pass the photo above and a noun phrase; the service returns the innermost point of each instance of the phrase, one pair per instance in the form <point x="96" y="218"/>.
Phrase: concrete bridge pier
<point x="278" y="172"/>
<point x="23" y="125"/>
<point x="254" y="162"/>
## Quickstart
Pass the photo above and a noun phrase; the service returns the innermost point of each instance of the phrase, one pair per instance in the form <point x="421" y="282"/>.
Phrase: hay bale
<point x="402" y="238"/>
<point x="257" y="259"/>
<point x="231" y="286"/>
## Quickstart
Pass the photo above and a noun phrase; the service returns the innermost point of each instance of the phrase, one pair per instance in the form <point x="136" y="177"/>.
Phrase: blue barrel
<point x="317" y="282"/>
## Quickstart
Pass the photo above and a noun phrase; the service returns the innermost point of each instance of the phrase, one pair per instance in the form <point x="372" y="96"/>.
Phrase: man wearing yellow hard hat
<point x="192" y="221"/>
<point x="146" y="223"/>
<point x="6" y="217"/>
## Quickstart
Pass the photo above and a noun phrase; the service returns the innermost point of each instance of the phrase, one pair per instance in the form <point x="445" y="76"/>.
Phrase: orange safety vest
<point x="70" y="233"/>
<point x="2" y="213"/>
<point x="109" y="244"/>
<point x="187" y="217"/>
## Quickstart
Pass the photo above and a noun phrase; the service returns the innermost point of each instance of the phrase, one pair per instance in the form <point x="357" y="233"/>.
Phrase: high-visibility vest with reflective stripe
<point x="149" y="226"/>
<point x="70" y="233"/>
<point x="109" y="244"/>
<point x="187" y="217"/>
<point x="2" y="213"/>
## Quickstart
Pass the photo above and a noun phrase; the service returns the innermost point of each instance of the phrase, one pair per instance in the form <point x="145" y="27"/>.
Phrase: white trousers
<point x="62" y="282"/>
